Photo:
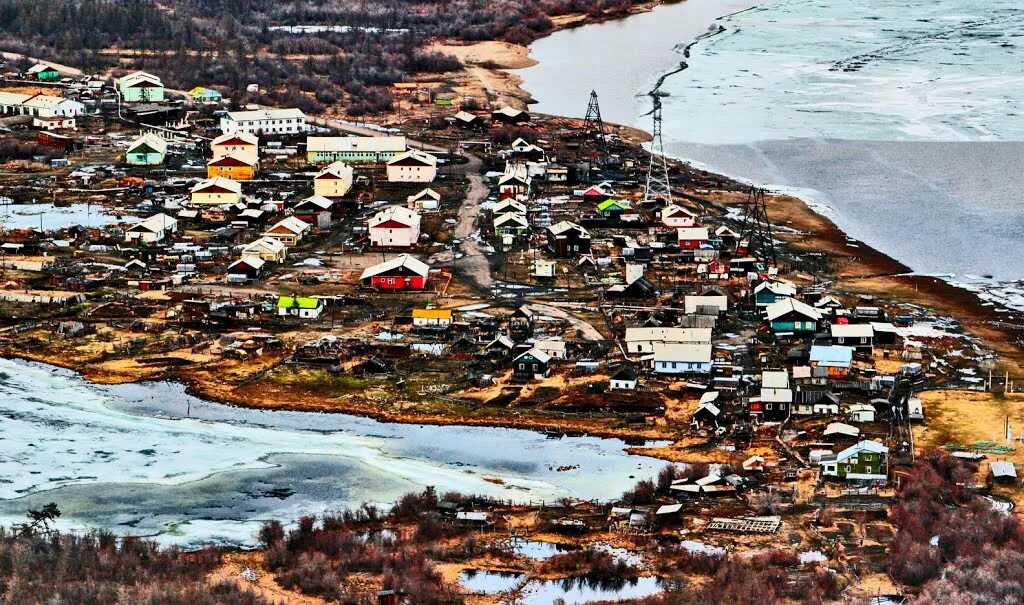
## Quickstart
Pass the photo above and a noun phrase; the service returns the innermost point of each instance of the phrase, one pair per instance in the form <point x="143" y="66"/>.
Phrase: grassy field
<point x="971" y="420"/>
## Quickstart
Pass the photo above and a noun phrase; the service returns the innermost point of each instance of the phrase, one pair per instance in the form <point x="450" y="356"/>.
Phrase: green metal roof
<point x="302" y="302"/>
<point x="620" y="204"/>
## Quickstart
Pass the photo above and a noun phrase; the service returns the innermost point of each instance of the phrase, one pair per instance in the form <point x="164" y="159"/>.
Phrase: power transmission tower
<point x="658" y="186"/>
<point x="594" y="125"/>
<point x="756" y="229"/>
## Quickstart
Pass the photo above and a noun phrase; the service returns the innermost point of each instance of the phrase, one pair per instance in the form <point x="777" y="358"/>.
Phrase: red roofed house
<point x="394" y="227"/>
<point x="401" y="273"/>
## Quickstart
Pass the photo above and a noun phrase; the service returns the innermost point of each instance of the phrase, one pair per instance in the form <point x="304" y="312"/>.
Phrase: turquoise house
<point x="792" y="316"/>
<point x="147" y="150"/>
<point x="141" y="87"/>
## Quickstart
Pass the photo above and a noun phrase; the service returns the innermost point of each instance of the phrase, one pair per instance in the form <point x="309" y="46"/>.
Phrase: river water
<point x="148" y="459"/>
<point x="900" y="119"/>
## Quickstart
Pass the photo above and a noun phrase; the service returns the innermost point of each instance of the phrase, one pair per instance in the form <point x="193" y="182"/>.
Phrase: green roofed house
<point x="614" y="208"/>
<point x="147" y="150"/>
<point x="305" y="307"/>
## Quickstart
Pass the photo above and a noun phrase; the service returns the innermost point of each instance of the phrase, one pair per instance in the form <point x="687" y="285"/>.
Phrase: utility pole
<point x="756" y="229"/>
<point x="658" y="186"/>
<point x="594" y="125"/>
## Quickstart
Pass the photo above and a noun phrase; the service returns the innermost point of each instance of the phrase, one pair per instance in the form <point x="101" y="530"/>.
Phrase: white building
<point x="152" y="229"/>
<point x="394" y="227"/>
<point x="643" y="340"/>
<point x="413" y="166"/>
<point x="676" y="216"/>
<point x="672" y="358"/>
<point x="42" y="106"/>
<point x="264" y="121"/>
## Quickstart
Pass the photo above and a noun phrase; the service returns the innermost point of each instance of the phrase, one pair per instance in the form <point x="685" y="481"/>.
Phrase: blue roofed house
<point x="837" y="359"/>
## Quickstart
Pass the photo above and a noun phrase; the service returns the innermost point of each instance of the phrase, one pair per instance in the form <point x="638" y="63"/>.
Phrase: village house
<point x="334" y="181"/>
<point x="511" y="224"/>
<point x="515" y="183"/>
<point x="838" y="360"/>
<point x="403" y="272"/>
<point x="239" y="144"/>
<point x="531" y="365"/>
<point x="206" y="96"/>
<point x="641" y="340"/>
<point x="216" y="192"/>
<point x="269" y="249"/>
<point x="43" y="72"/>
<point x="859" y="336"/>
<point x="866" y="460"/>
<point x="358" y="150"/>
<point x="520" y="322"/>
<point x="464" y="119"/>
<point x="141" y="87"/>
<point x="508" y="207"/>
<point x="715" y="304"/>
<point x="510" y="115"/>
<point x="792" y="316"/>
<point x="624" y="378"/>
<point x="861" y="412"/>
<point x="288" y="231"/>
<point x="556" y="173"/>
<point x="147" y="150"/>
<point x="614" y="209"/>
<point x="245" y="269"/>
<point x="264" y="121"/>
<point x="431" y="318"/>
<point x="304" y="307"/>
<point x="316" y="210"/>
<point x="394" y="227"/>
<point x="707" y="414"/>
<point x="427" y="200"/>
<point x="231" y="167"/>
<point x="691" y="238"/>
<point x="769" y="292"/>
<point x="413" y="166"/>
<point x="674" y="216"/>
<point x="568" y="239"/>
<point x="54" y="123"/>
<point x="151" y="230"/>
<point x="672" y="358"/>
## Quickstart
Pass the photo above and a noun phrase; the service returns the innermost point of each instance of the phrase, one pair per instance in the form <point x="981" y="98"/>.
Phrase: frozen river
<point x="901" y="119"/>
<point x="149" y="459"/>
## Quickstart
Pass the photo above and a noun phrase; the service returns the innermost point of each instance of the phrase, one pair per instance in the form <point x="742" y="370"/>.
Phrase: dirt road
<point x="585" y="329"/>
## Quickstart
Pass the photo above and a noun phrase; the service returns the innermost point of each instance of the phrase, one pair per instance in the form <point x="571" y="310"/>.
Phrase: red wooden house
<point x="691" y="238"/>
<point x="403" y="272"/>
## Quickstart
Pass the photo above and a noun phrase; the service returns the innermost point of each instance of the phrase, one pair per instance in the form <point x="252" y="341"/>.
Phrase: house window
<point x="522" y="366"/>
<point x="768" y="406"/>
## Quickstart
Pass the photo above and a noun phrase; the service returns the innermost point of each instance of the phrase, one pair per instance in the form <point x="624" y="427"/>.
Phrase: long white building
<point x="264" y="121"/>
<point x="42" y="106"/>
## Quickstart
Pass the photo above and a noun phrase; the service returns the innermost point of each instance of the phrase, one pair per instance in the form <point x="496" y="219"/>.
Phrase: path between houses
<point x="586" y="330"/>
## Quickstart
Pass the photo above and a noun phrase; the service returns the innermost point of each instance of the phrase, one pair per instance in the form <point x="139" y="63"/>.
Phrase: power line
<point x="594" y="125"/>
<point x="658" y="186"/>
<point x="756" y="230"/>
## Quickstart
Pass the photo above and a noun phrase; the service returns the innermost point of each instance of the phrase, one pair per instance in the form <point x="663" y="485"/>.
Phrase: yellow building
<point x="231" y="167"/>
<point x="216" y="192"/>
<point x="333" y="181"/>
